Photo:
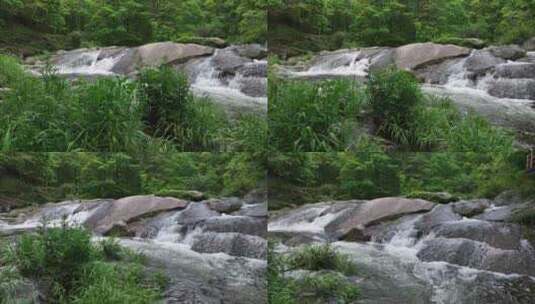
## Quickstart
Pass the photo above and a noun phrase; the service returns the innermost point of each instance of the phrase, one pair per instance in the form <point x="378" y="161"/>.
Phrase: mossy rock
<point x="474" y="43"/>
<point x="189" y="195"/>
<point x="437" y="197"/>
<point x="206" y="41"/>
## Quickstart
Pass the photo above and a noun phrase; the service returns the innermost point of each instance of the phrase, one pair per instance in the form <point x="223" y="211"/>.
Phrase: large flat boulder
<point x="159" y="53"/>
<point x="481" y="61"/>
<point x="128" y="209"/>
<point x="512" y="88"/>
<point x="515" y="70"/>
<point x="507" y="52"/>
<point x="417" y="55"/>
<point x="378" y="210"/>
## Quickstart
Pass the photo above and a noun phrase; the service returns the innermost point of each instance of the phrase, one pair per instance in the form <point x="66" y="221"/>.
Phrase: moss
<point x="437" y="197"/>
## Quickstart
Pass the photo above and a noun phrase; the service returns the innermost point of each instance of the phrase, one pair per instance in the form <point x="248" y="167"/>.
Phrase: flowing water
<point x="391" y="270"/>
<point x="169" y="241"/>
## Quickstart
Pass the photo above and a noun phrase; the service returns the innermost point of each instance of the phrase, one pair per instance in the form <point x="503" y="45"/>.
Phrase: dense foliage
<point x="300" y="26"/>
<point x="391" y="110"/>
<point x="325" y="176"/>
<point x="72" y="23"/>
<point x="40" y="177"/>
<point x="156" y="112"/>
<point x="69" y="268"/>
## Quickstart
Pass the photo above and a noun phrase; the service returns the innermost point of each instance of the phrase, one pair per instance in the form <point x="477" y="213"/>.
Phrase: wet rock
<point x="498" y="235"/>
<point x="378" y="210"/>
<point x="478" y="255"/>
<point x="382" y="60"/>
<point x="253" y="86"/>
<point x="253" y="69"/>
<point x="417" y="55"/>
<point x="253" y="210"/>
<point x="195" y="213"/>
<point x="296" y="238"/>
<point x="251" y="51"/>
<point x="440" y="214"/>
<point x="224" y="205"/>
<point x="228" y="61"/>
<point x="120" y="229"/>
<point x="132" y="208"/>
<point x="515" y="70"/>
<point x="241" y="224"/>
<point x="109" y="52"/>
<point x="437" y="73"/>
<point x="499" y="214"/>
<point x="507" y="52"/>
<point x="471" y="207"/>
<point x="235" y="244"/>
<point x="512" y="88"/>
<point x="482" y="61"/>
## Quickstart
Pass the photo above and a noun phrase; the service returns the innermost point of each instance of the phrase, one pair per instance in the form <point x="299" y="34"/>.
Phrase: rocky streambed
<point x="212" y="251"/>
<point x="235" y="76"/>
<point x="497" y="82"/>
<point x="416" y="251"/>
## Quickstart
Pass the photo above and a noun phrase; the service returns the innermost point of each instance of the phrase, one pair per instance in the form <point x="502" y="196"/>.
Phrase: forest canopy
<point x="342" y="23"/>
<point x="75" y="23"/>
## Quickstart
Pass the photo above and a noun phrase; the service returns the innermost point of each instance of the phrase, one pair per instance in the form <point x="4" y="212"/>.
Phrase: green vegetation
<point x="326" y="283"/>
<point x="315" y="177"/>
<point x="69" y="268"/>
<point x="297" y="27"/>
<point x="29" y="27"/>
<point x="336" y="116"/>
<point x="312" y="117"/>
<point x="28" y="178"/>
<point x="156" y="112"/>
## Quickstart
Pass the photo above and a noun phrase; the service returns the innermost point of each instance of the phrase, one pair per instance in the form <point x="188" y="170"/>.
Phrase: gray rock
<point x="253" y="86"/>
<point x="382" y="60"/>
<point x="131" y="208"/>
<point x="512" y="88"/>
<point x="251" y="51"/>
<point x="235" y="244"/>
<point x="253" y="69"/>
<point x="471" y="207"/>
<point x="228" y="62"/>
<point x="195" y="213"/>
<point x="254" y="210"/>
<point x="507" y="52"/>
<point x="241" y="224"/>
<point x="224" y="205"/>
<point x="479" y="255"/>
<point x="417" y="55"/>
<point x="498" y="235"/>
<point x="515" y="70"/>
<point x="378" y="210"/>
<point x="440" y="214"/>
<point x="481" y="61"/>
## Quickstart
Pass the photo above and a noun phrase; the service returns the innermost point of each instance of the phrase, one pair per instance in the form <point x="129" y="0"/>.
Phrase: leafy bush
<point x="311" y="117"/>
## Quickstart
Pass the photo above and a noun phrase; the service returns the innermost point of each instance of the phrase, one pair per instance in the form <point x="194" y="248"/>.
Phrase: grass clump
<point x="326" y="284"/>
<point x="312" y="117"/>
<point x="321" y="257"/>
<point x="69" y="268"/>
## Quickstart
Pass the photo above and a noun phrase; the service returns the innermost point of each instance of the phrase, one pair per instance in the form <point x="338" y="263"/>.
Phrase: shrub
<point x="280" y="289"/>
<point x="320" y="257"/>
<point x="56" y="256"/>
<point x="311" y="117"/>
<point x="394" y="96"/>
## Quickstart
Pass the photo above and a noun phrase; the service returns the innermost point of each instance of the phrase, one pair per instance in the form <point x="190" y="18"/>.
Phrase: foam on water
<point x="87" y="63"/>
<point x="345" y="64"/>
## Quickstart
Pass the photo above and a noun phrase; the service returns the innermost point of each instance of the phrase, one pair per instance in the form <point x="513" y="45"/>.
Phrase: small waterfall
<point x="343" y="64"/>
<point x="87" y="63"/>
<point x="236" y="90"/>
